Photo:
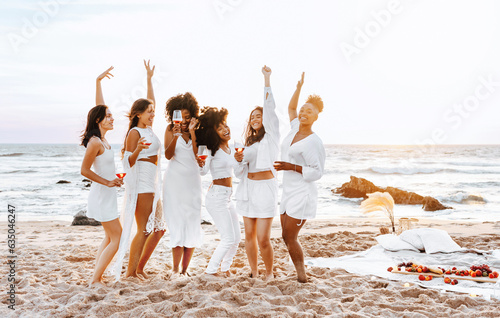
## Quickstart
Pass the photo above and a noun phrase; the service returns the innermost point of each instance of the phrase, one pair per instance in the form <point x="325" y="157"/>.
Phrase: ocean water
<point x="465" y="177"/>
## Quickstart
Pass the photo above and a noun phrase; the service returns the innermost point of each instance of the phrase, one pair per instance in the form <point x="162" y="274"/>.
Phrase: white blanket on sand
<point x="377" y="259"/>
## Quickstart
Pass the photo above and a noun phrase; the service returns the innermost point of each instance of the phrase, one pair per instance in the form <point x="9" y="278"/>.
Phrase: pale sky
<point x="389" y="72"/>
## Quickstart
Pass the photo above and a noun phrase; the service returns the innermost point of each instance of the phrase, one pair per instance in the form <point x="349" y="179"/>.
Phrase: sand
<point x="55" y="262"/>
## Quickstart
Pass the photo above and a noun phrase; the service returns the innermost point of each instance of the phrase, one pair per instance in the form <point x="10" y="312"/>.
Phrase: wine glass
<point x="119" y="173"/>
<point x="238" y="146"/>
<point x="148" y="138"/>
<point x="177" y="119"/>
<point x="202" y="152"/>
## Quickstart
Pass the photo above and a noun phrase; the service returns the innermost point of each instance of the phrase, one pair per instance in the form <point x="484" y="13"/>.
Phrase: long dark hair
<point x="251" y="135"/>
<point x="138" y="107"/>
<point x="179" y="102"/>
<point x="209" y="120"/>
<point x="95" y="116"/>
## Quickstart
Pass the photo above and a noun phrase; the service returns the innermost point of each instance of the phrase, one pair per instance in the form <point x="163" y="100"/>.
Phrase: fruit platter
<point x="478" y="273"/>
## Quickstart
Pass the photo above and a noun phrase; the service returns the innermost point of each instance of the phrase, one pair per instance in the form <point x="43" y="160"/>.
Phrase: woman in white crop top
<point x="141" y="161"/>
<point x="257" y="193"/>
<point x="102" y="204"/>
<point x="303" y="156"/>
<point x="215" y="134"/>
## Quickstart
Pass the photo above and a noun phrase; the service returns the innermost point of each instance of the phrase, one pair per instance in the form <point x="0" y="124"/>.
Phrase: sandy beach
<point x="55" y="261"/>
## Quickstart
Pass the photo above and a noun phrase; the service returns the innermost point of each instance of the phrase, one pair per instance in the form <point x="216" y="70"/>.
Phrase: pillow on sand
<point x="413" y="238"/>
<point x="436" y="241"/>
<point x="393" y="243"/>
<point x="430" y="240"/>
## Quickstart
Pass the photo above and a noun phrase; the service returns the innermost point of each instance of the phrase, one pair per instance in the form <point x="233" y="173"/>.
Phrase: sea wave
<point x="404" y="170"/>
<point x="465" y="198"/>
<point x="426" y="170"/>
<point x="14" y="154"/>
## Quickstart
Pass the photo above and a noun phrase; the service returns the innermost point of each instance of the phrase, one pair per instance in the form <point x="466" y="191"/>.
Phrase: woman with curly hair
<point x="257" y="193"/>
<point x="182" y="182"/>
<point x="102" y="198"/>
<point x="303" y="156"/>
<point x="141" y="161"/>
<point x="215" y="134"/>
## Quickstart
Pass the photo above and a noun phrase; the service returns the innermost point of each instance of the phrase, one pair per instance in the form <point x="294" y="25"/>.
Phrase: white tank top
<point x="104" y="164"/>
<point x="150" y="136"/>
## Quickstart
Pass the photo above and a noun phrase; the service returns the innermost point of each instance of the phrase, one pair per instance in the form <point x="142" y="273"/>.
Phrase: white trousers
<point x="220" y="208"/>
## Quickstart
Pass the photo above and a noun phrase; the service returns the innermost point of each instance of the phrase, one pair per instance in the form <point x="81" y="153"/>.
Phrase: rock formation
<point x="359" y="188"/>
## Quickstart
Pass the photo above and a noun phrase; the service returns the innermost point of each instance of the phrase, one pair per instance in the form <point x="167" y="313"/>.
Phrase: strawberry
<point x="447" y="280"/>
<point x="390" y="269"/>
<point x="496" y="274"/>
<point x="455" y="281"/>
<point x="491" y="275"/>
<point x="421" y="277"/>
<point x="473" y="274"/>
<point x="479" y="273"/>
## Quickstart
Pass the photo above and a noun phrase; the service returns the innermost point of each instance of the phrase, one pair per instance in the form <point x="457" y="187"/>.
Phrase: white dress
<point x="300" y="195"/>
<point x="259" y="198"/>
<point x="182" y="197"/>
<point x="101" y="204"/>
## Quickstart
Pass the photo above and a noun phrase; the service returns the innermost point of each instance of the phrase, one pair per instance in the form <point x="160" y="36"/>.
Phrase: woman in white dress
<point x="303" y="162"/>
<point x="215" y="134"/>
<point x="102" y="197"/>
<point x="182" y="182"/>
<point x="257" y="193"/>
<point x="141" y="161"/>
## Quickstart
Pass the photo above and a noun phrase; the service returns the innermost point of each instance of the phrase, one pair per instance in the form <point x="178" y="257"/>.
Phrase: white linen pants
<point x="220" y="208"/>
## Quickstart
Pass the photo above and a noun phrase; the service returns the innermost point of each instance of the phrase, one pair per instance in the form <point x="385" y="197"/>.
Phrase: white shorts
<point x="262" y="199"/>
<point x="146" y="176"/>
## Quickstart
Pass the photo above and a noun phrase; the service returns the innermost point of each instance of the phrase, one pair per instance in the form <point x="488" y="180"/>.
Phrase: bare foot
<point x="226" y="274"/>
<point x="97" y="284"/>
<point x="143" y="274"/>
<point x="302" y="279"/>
<point x="268" y="277"/>
<point x="134" y="276"/>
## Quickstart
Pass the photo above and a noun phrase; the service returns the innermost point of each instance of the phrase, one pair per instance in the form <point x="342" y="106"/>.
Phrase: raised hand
<point x="301" y="82"/>
<point x="192" y="124"/>
<point x="150" y="71"/>
<point x="266" y="70"/>
<point x="106" y="74"/>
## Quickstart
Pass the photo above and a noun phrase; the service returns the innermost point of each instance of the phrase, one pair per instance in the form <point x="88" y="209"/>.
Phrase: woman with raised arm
<point x="214" y="133"/>
<point x="303" y="162"/>
<point x="102" y="198"/>
<point x="182" y="182"/>
<point x="257" y="193"/>
<point x="141" y="161"/>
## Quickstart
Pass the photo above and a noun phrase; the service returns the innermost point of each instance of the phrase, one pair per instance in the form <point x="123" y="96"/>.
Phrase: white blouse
<point x="299" y="199"/>
<point x="261" y="156"/>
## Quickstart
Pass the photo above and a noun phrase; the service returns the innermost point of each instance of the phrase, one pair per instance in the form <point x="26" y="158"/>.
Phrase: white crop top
<point x="221" y="165"/>
<point x="150" y="136"/>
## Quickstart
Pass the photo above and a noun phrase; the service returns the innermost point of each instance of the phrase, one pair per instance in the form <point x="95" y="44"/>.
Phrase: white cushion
<point x="393" y="243"/>
<point x="412" y="237"/>
<point x="436" y="241"/>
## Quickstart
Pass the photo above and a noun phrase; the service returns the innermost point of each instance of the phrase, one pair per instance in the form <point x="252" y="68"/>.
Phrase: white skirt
<point x="101" y="204"/>
<point x="262" y="199"/>
<point x="146" y="176"/>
